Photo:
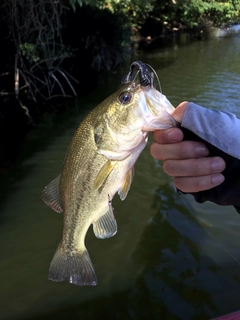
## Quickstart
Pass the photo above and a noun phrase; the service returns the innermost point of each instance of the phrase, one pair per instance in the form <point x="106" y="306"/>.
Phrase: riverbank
<point x="42" y="74"/>
<point x="18" y="115"/>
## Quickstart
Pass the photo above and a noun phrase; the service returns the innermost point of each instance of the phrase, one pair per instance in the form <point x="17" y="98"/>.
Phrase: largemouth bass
<point x="99" y="163"/>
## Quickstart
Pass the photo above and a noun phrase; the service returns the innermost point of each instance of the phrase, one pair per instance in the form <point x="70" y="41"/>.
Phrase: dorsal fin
<point x="51" y="196"/>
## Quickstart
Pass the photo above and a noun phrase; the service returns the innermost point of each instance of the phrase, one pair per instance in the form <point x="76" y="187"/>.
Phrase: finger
<point x="194" y="167"/>
<point x="168" y="136"/>
<point x="180" y="150"/>
<point x="179" y="111"/>
<point x="193" y="184"/>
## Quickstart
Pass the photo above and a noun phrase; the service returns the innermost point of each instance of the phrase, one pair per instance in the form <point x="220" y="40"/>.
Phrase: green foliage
<point x="135" y="10"/>
<point x="217" y="12"/>
<point x="28" y="51"/>
<point x="192" y="13"/>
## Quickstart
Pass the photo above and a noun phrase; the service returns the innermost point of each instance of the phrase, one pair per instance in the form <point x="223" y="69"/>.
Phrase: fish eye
<point x="125" y="97"/>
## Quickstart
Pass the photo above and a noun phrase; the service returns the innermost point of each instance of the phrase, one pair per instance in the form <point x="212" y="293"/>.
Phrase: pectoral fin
<point x="123" y="191"/>
<point x="50" y="195"/>
<point x="115" y="155"/>
<point x="103" y="173"/>
<point x="105" y="227"/>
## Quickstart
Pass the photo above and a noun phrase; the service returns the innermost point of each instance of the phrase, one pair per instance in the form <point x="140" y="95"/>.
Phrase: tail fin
<point x="75" y="267"/>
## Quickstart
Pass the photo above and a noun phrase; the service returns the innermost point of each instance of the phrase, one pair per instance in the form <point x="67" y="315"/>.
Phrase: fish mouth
<point x="156" y="103"/>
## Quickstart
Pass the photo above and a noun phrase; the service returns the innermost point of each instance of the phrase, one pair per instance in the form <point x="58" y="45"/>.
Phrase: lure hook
<point x="144" y="74"/>
<point x="145" y="77"/>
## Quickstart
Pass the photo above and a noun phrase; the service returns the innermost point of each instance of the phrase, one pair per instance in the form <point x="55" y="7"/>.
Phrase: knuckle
<point x="182" y="184"/>
<point x="182" y="151"/>
<point x="199" y="167"/>
<point x="155" y="151"/>
<point x="191" y="184"/>
<point x="167" y="167"/>
<point x="186" y="149"/>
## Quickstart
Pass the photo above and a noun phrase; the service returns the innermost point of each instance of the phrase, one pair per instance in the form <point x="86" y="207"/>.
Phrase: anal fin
<point x="105" y="226"/>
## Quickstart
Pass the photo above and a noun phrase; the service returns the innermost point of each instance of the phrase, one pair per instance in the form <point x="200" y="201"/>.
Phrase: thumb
<point x="178" y="113"/>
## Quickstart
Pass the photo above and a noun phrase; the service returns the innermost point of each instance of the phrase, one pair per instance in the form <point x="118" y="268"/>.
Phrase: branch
<point x="69" y="83"/>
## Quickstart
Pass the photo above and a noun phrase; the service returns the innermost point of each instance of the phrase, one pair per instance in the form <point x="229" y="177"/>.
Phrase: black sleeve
<point x="227" y="193"/>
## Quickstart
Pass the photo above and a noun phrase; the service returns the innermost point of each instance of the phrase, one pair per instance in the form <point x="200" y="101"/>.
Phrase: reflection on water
<point x="168" y="260"/>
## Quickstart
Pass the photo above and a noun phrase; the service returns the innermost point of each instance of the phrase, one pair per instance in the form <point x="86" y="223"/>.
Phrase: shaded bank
<point x="17" y="119"/>
<point x="40" y="71"/>
<point x="58" y="49"/>
<point x="43" y="77"/>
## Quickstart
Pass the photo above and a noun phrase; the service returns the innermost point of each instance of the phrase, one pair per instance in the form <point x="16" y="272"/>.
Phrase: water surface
<point x="171" y="258"/>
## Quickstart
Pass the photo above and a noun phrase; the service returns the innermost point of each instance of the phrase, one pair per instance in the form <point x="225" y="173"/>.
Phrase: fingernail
<point x="217" y="179"/>
<point x="201" y="150"/>
<point x="218" y="165"/>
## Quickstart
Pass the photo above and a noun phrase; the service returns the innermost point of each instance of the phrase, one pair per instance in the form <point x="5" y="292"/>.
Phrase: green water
<point x="169" y="259"/>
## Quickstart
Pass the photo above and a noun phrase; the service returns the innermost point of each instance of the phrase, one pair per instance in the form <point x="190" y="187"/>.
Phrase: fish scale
<point x="99" y="163"/>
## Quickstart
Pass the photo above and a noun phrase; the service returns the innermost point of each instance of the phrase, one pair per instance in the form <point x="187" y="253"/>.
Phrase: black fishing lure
<point x="145" y="78"/>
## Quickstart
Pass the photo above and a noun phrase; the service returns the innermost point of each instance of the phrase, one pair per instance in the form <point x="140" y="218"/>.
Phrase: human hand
<point x="186" y="161"/>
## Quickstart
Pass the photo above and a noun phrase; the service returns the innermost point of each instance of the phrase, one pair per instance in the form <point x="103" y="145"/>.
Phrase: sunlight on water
<point x="168" y="260"/>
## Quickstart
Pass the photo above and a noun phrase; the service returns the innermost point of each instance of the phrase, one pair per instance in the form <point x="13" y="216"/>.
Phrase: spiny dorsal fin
<point x="50" y="195"/>
<point x="105" y="226"/>
<point x="123" y="191"/>
<point x="103" y="173"/>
